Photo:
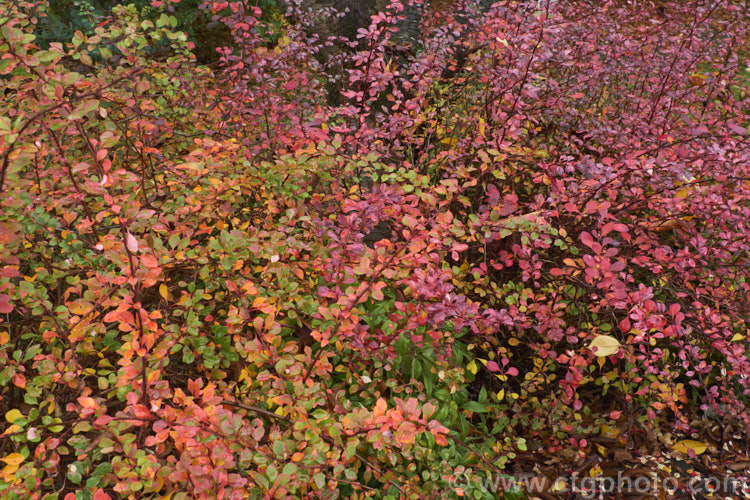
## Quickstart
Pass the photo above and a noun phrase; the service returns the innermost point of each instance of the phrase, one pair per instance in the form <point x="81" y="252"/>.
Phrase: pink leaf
<point x="587" y="239"/>
<point x="131" y="243"/>
<point x="737" y="129"/>
<point x="9" y="272"/>
<point x="5" y="306"/>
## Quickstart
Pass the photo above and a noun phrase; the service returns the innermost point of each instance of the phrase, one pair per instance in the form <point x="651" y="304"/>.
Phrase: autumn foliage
<point x="527" y="228"/>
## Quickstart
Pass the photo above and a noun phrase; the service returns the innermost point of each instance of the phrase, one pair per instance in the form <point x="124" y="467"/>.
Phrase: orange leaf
<point x="380" y="407"/>
<point x="19" y="381"/>
<point x="149" y="261"/>
<point x="87" y="402"/>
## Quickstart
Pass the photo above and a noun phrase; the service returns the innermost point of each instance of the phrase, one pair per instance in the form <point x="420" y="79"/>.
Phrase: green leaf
<point x="475" y="407"/>
<point x="84" y="108"/>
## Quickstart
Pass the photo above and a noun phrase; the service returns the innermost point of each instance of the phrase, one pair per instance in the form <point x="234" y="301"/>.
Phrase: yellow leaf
<point x="501" y="394"/>
<point x="697" y="79"/>
<point x="559" y="486"/>
<point x="604" y="345"/>
<point x="245" y="376"/>
<point x="472" y="366"/>
<point x="164" y="291"/>
<point x="13" y="459"/>
<point x="737" y="337"/>
<point x="688" y="444"/>
<point x="609" y="432"/>
<point x="12" y="415"/>
<point x="8" y="474"/>
<point x="4" y="338"/>
<point x="681" y="193"/>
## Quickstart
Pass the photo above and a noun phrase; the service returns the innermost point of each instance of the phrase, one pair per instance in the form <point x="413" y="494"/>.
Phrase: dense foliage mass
<point x="528" y="229"/>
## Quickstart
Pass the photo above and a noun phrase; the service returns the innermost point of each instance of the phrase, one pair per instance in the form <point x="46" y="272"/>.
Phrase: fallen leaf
<point x="688" y="444"/>
<point x="604" y="345"/>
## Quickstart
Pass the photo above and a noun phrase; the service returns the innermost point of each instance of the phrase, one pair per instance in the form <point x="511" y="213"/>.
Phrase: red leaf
<point x="492" y="366"/>
<point x="625" y="325"/>
<point x="5" y="306"/>
<point x="587" y="239"/>
<point x="8" y="232"/>
<point x="570" y="207"/>
<point x="9" y="272"/>
<point x="141" y="411"/>
<point x="100" y="495"/>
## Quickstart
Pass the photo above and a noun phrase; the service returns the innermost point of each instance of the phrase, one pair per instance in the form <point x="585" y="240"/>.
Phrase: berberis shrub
<point x="527" y="228"/>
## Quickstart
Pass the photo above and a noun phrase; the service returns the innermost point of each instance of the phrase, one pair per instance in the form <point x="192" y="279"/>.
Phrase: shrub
<point x="213" y="283"/>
